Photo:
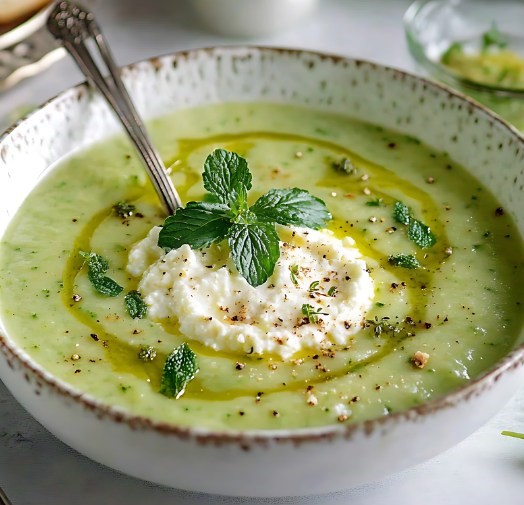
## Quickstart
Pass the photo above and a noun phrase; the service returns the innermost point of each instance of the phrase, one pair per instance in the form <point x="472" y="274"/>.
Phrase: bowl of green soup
<point x="340" y="297"/>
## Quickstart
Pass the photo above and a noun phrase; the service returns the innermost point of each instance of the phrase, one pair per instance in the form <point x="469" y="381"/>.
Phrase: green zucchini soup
<point x="431" y="275"/>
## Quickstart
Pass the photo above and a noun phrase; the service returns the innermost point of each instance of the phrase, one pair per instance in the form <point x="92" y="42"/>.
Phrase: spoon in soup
<point x="74" y="26"/>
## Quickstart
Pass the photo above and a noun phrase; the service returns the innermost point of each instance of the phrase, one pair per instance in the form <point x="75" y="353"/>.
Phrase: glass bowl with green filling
<point x="475" y="46"/>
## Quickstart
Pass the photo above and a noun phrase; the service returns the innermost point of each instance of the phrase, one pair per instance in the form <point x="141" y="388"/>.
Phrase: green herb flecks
<point x="382" y="326"/>
<point x="179" y="369"/>
<point x="404" y="261"/>
<point x="309" y="312"/>
<point x="97" y="267"/>
<point x="513" y="434"/>
<point x="418" y="232"/>
<point x="493" y="38"/>
<point x="135" y="305"/>
<point x="293" y="272"/>
<point x="377" y="202"/>
<point x="124" y="209"/>
<point x="147" y="353"/>
<point x="332" y="291"/>
<point x="314" y="286"/>
<point x="345" y="165"/>
<point x="250" y="231"/>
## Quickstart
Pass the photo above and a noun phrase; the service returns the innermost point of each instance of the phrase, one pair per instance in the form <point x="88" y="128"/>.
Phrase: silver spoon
<point x="4" y="500"/>
<point x="73" y="25"/>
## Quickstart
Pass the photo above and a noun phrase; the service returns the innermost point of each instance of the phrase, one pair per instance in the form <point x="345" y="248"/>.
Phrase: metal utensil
<point x="4" y="500"/>
<point x="73" y="26"/>
<point x="27" y="50"/>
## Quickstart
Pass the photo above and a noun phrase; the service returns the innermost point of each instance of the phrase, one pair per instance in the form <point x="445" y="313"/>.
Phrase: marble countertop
<point x="38" y="469"/>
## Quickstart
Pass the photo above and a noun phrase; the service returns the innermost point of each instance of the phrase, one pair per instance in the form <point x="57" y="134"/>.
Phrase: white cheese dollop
<point x="215" y="305"/>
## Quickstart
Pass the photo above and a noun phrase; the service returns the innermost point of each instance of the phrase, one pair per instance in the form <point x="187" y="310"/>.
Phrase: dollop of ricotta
<point x="212" y="303"/>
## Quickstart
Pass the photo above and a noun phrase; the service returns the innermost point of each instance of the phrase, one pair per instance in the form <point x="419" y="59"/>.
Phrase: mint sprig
<point x="179" y="369"/>
<point x="97" y="267"/>
<point x="250" y="231"/>
<point x="418" y="232"/>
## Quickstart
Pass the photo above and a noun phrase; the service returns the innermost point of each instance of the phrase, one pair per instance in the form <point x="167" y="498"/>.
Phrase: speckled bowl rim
<point x="248" y="438"/>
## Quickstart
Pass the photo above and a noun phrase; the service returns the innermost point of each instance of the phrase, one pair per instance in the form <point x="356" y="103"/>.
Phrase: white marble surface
<point x="37" y="469"/>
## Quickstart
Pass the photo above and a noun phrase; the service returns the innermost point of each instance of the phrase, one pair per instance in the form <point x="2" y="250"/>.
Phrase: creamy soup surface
<point x="428" y="331"/>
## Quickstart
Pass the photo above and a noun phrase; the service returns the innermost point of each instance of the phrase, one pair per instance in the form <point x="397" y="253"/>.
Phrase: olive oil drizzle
<point x="123" y="356"/>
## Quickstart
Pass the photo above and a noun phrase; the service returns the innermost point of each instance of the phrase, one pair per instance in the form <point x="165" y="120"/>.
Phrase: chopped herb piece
<point x="418" y="232"/>
<point x="251" y="232"/>
<point x="124" y="209"/>
<point x="313" y="286"/>
<point x="421" y="234"/>
<point x="97" y="267"/>
<point x="374" y="203"/>
<point x="379" y="304"/>
<point x="345" y="165"/>
<point x="293" y="272"/>
<point x="404" y="261"/>
<point x="381" y="326"/>
<point x="493" y="37"/>
<point x="179" y="369"/>
<point x="332" y="291"/>
<point x="147" y="353"/>
<point x="135" y="305"/>
<point x="453" y="50"/>
<point x="401" y="213"/>
<point x="311" y="314"/>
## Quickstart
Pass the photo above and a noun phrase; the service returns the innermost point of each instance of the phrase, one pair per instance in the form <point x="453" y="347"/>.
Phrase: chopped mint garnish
<point x="513" y="434"/>
<point x="332" y="291"/>
<point x="147" y="353"/>
<point x="135" y="305"/>
<point x="404" y="261"/>
<point x="374" y="203"/>
<point x="311" y="314"/>
<point x="421" y="234"/>
<point x="493" y="37"/>
<point x="345" y="165"/>
<point x="97" y="267"/>
<point x="250" y="231"/>
<point x="124" y="209"/>
<point x="179" y="369"/>
<point x="418" y="232"/>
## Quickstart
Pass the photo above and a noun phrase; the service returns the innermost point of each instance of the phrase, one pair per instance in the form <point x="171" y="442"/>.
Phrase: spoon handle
<point x="73" y="25"/>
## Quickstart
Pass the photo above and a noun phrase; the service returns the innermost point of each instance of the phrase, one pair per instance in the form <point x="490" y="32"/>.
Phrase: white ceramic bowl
<point x="264" y="463"/>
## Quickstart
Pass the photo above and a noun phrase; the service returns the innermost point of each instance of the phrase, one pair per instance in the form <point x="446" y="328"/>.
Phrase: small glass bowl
<point x="432" y="26"/>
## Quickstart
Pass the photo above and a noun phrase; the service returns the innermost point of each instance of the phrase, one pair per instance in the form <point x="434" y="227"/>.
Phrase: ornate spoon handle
<point x="73" y="25"/>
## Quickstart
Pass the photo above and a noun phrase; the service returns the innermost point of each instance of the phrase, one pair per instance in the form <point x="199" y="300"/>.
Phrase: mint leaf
<point x="227" y="176"/>
<point x="97" y="267"/>
<point x="255" y="250"/>
<point x="179" y="369"/>
<point x="404" y="261"/>
<point x="135" y="305"/>
<point x="199" y="224"/>
<point x="401" y="213"/>
<point x="295" y="207"/>
<point x="420" y="234"/>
